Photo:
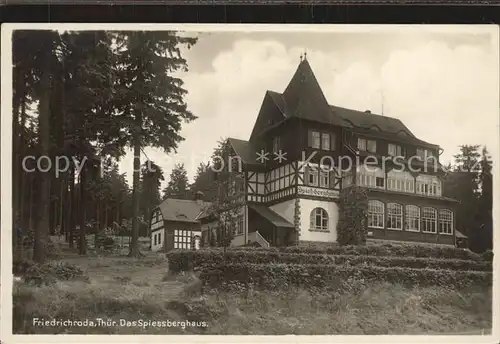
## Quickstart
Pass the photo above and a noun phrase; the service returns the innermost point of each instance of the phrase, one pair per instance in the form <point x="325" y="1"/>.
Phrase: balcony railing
<point x="257" y="237"/>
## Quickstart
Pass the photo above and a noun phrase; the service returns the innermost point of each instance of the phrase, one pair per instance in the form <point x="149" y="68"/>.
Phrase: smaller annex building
<point x="175" y="225"/>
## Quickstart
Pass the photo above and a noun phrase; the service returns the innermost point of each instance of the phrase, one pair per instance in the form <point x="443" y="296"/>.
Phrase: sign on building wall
<point x="310" y="191"/>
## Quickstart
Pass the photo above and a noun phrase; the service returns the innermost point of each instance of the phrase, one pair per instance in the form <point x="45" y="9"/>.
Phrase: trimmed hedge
<point x="333" y="277"/>
<point x="401" y="250"/>
<point x="191" y="260"/>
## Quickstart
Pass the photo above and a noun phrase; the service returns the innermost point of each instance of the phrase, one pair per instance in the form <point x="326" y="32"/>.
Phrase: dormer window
<point x="424" y="153"/>
<point x="362" y="145"/>
<point x="372" y="146"/>
<point x="314" y="139"/>
<point x="325" y="141"/>
<point x="395" y="150"/>
<point x="276" y="144"/>
<point x="367" y="145"/>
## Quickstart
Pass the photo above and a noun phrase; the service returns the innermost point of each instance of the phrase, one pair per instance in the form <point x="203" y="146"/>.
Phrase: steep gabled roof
<point x="303" y="98"/>
<point x="245" y="150"/>
<point x="368" y="120"/>
<point x="182" y="210"/>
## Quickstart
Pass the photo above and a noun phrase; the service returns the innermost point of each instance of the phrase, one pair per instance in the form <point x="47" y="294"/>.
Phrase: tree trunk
<point x="83" y="241"/>
<point x="97" y="215"/>
<point x="15" y="172"/>
<point x="62" y="206"/>
<point x="105" y="217"/>
<point x="42" y="230"/>
<point x="30" y="219"/>
<point x="134" y="245"/>
<point x="72" y="205"/>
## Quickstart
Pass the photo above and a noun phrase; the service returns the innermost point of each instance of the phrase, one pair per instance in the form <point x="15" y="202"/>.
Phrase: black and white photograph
<point x="249" y="179"/>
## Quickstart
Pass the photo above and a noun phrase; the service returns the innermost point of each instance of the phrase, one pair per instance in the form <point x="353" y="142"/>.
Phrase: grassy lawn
<point x="134" y="289"/>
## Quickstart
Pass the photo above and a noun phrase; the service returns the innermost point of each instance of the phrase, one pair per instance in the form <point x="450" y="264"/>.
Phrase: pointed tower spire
<point x="304" y="98"/>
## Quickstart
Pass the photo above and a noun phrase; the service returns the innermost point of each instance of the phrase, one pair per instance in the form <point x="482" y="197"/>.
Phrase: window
<point x="375" y="214"/>
<point x="361" y="144"/>
<point x="395" y="150"/>
<point x="421" y="153"/>
<point x="424" y="153"/>
<point x="332" y="142"/>
<point x="428" y="185"/>
<point x="319" y="219"/>
<point x="241" y="225"/>
<point x="401" y="181"/>
<point x="367" y="145"/>
<point x="325" y="141"/>
<point x="429" y="220"/>
<point x="394" y="216"/>
<point x="371" y="146"/>
<point x="276" y="144"/>
<point x="379" y="182"/>
<point x="412" y="222"/>
<point x="312" y="176"/>
<point x="182" y="239"/>
<point x="155" y="239"/>
<point x="314" y="139"/>
<point x="445" y="221"/>
<point x="324" y="179"/>
<point x="370" y="176"/>
<point x="159" y="238"/>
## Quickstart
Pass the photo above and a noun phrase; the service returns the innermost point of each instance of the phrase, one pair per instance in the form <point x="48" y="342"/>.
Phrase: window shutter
<point x="309" y="138"/>
<point x="306" y="175"/>
<point x="332" y="141"/>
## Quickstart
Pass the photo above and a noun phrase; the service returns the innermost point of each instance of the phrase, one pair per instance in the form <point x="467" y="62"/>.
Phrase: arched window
<point x="429" y="217"/>
<point x="412" y="222"/>
<point x="370" y="176"/>
<point x="394" y="216"/>
<point x="400" y="181"/>
<point x="445" y="221"/>
<point x="319" y="219"/>
<point x="375" y="214"/>
<point x="428" y="185"/>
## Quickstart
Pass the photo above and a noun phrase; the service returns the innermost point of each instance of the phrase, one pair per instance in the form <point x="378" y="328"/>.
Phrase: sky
<point x="443" y="85"/>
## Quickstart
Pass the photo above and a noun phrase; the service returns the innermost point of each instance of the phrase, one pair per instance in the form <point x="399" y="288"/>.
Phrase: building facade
<point x="303" y="151"/>
<point x="174" y="224"/>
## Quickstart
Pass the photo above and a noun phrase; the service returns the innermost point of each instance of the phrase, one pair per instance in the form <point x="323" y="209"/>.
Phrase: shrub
<point x="191" y="260"/>
<point x="50" y="272"/>
<point x="108" y="243"/>
<point x="389" y="249"/>
<point x="487" y="255"/>
<point x="334" y="277"/>
<point x="19" y="267"/>
<point x="353" y="204"/>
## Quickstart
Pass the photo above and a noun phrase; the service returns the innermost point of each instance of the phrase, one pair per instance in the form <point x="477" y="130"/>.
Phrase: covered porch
<point x="264" y="222"/>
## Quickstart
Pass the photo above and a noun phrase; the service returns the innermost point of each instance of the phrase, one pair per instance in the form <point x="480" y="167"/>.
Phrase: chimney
<point x="368" y="112"/>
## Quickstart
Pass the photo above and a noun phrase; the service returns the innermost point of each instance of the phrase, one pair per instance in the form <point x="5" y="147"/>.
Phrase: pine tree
<point x="203" y="182"/>
<point x="229" y="183"/>
<point x="151" y="178"/>
<point x="152" y="99"/>
<point x="178" y="185"/>
<point x="484" y="240"/>
<point x="462" y="184"/>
